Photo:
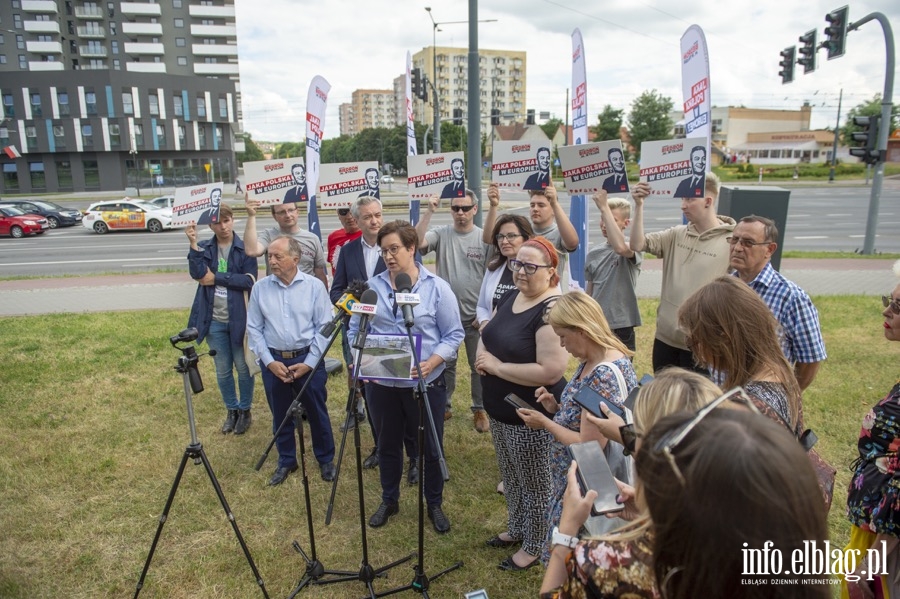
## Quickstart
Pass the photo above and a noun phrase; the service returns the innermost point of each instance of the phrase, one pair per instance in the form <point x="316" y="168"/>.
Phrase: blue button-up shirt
<point x="288" y="317"/>
<point x="436" y="319"/>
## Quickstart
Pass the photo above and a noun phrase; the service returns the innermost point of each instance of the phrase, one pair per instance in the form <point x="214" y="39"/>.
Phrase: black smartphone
<point x="590" y="401"/>
<point x="629" y="401"/>
<point x="593" y="473"/>
<point x="517" y="402"/>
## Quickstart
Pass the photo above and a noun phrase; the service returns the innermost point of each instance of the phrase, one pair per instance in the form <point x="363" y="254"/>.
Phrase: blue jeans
<point x="228" y="356"/>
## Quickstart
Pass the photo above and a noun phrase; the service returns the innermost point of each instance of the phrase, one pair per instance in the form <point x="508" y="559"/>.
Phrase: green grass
<point x="94" y="426"/>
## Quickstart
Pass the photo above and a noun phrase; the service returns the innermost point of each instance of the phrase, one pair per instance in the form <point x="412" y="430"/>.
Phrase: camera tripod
<point x="187" y="366"/>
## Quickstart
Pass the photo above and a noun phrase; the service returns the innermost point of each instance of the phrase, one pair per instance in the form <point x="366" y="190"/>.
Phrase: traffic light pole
<point x="884" y="129"/>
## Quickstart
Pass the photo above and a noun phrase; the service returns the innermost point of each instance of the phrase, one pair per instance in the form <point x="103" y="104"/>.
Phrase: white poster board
<point x="675" y="168"/>
<point x="442" y="174"/>
<point x="521" y="164"/>
<point x="280" y="181"/>
<point x="341" y="183"/>
<point x="198" y="204"/>
<point x="588" y="168"/>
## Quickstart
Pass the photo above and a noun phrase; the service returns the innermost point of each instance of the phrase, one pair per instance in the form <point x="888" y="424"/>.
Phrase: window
<point x="4" y="136"/>
<point x="154" y="104"/>
<point x="112" y="28"/>
<point x="8" y="109"/>
<point x="31" y="138"/>
<point x="223" y="108"/>
<point x="73" y="46"/>
<point x="91" y="174"/>
<point x="115" y="46"/>
<point x="90" y="100"/>
<point x="127" y="103"/>
<point x="207" y="22"/>
<point x="70" y="26"/>
<point x="138" y="136"/>
<point x="180" y="42"/>
<point x="62" y="99"/>
<point x="182" y="136"/>
<point x="2" y="58"/>
<point x="20" y="42"/>
<point x="2" y="40"/>
<point x="117" y="65"/>
<point x="220" y="139"/>
<point x="69" y="10"/>
<point x="177" y="103"/>
<point x="38" y="180"/>
<point x="179" y="23"/>
<point x="59" y="136"/>
<point x="201" y="138"/>
<point x="115" y="135"/>
<point x="17" y="21"/>
<point x="87" y="135"/>
<point x="176" y="3"/>
<point x="41" y="17"/>
<point x="210" y="60"/>
<point x="64" y="175"/>
<point x="182" y="61"/>
<point x="161" y="135"/>
<point x="10" y="177"/>
<point x="23" y="64"/>
<point x="111" y="9"/>
<point x="201" y="107"/>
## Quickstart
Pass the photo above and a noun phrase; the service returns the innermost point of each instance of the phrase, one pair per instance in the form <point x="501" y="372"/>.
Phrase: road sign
<point x="206" y="166"/>
<point x="155" y="169"/>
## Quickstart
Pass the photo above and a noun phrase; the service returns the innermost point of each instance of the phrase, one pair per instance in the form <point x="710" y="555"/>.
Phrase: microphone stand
<point x="315" y="570"/>
<point x="187" y="366"/>
<point x="367" y="573"/>
<point x="421" y="581"/>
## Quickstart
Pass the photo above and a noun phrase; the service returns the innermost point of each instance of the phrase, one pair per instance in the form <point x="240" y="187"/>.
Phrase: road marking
<point x="860" y="236"/>
<point x="812" y="237"/>
<point x="838" y="215"/>
<point x="119" y="260"/>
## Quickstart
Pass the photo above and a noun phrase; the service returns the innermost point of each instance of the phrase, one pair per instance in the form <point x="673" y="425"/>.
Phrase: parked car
<point x="116" y="215"/>
<point x="387" y="179"/>
<point x="163" y="201"/>
<point x="56" y="215"/>
<point x="16" y="223"/>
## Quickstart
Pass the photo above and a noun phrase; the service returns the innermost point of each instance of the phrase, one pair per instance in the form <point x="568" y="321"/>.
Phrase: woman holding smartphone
<point x="518" y="353"/>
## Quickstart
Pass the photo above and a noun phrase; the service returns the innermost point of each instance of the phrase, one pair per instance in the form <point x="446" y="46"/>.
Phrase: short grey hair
<point x="363" y="201"/>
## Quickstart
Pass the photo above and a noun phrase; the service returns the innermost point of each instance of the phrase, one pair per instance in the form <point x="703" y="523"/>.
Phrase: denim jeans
<point x="228" y="356"/>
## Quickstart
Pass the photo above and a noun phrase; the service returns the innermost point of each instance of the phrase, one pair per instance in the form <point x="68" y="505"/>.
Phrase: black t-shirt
<point x="511" y="338"/>
<point x="504" y="285"/>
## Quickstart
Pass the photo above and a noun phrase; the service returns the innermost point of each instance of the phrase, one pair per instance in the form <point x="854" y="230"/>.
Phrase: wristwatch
<point x="559" y="538"/>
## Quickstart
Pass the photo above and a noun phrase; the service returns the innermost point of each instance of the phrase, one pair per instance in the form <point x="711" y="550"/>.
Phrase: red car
<point x="17" y="224"/>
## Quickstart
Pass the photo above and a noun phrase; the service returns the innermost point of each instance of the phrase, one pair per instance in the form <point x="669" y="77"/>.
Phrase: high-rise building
<point x="502" y="83"/>
<point x="105" y="95"/>
<point x="368" y="108"/>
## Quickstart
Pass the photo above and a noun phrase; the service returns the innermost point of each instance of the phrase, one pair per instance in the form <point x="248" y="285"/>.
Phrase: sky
<point x="630" y="47"/>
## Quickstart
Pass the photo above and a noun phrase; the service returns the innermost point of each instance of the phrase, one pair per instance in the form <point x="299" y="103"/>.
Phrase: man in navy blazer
<point x="360" y="260"/>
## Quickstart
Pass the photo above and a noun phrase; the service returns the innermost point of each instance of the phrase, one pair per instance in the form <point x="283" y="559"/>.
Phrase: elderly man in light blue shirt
<point x="287" y="310"/>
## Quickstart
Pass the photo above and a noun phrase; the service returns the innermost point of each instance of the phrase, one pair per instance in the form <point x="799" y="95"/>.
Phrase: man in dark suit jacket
<point x="373" y="182"/>
<point x="211" y="214"/>
<point x="694" y="186"/>
<point x="540" y="179"/>
<point x="618" y="181"/>
<point x="298" y="193"/>
<point x="457" y="187"/>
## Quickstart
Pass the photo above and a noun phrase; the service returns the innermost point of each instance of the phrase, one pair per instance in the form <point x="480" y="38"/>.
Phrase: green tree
<point x="551" y="127"/>
<point x="609" y="123"/>
<point x="251" y="152"/>
<point x="649" y="119"/>
<point x="869" y="108"/>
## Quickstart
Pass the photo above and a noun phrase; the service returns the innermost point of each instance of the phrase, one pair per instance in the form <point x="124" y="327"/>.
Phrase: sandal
<point x="496" y="541"/>
<point x="510" y="565"/>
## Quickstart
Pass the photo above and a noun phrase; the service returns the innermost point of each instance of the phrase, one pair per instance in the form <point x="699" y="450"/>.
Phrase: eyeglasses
<point x="391" y="250"/>
<point x="529" y="268"/>
<point x="343" y="211"/>
<point x="286" y="212"/>
<point x="673" y="438"/>
<point x="629" y="438"/>
<point x="745" y="243"/>
<point x="500" y="237"/>
<point x="462" y="208"/>
<point x="894" y="304"/>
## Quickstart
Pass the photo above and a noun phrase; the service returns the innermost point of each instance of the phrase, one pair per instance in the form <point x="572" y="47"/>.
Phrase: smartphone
<point x="517" y="402"/>
<point x="593" y="473"/>
<point x="590" y="401"/>
<point x="632" y="396"/>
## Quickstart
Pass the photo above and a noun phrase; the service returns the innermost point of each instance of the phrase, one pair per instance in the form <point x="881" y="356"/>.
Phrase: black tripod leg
<point x="162" y="519"/>
<point x="230" y="516"/>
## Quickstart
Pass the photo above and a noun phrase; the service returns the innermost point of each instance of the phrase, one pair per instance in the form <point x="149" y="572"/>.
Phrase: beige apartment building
<point x="368" y="108"/>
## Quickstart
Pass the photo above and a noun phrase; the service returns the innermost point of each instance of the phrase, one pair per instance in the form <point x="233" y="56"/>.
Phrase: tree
<point x="649" y="119"/>
<point x="551" y="127"/>
<point x="609" y="123"/>
<point x="870" y="108"/>
<point x="251" y="152"/>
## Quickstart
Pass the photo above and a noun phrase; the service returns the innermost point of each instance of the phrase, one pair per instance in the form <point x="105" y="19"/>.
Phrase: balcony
<point x="41" y="26"/>
<point x="46" y="66"/>
<point x="41" y="6"/>
<point x="44" y="47"/>
<point x="144" y="48"/>
<point x="140" y="9"/>
<point x="88" y="12"/>
<point x="214" y="30"/>
<point x="142" y="28"/>
<point x="220" y="68"/>
<point x="211" y="12"/>
<point x="92" y="51"/>
<point x="92" y="67"/>
<point x="145" y="67"/>
<point x="214" y="49"/>
<point x="92" y="32"/>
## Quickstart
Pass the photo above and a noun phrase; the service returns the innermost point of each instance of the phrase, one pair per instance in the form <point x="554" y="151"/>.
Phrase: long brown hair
<point x="733" y="331"/>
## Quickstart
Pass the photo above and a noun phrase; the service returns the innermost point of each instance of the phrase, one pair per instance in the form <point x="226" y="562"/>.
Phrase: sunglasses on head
<point x="343" y="211"/>
<point x="462" y="208"/>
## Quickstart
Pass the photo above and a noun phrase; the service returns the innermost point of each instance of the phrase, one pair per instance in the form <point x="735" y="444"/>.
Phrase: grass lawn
<point x="94" y="426"/>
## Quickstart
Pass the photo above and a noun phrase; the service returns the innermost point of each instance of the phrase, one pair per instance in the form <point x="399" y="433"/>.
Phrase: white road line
<point x="838" y="215"/>
<point x="119" y="260"/>
<point x="812" y="237"/>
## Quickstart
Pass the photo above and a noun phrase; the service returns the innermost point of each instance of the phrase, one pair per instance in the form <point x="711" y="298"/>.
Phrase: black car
<point x="56" y="215"/>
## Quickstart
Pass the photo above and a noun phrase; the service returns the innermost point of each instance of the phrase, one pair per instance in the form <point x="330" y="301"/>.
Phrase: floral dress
<point x="604" y="382"/>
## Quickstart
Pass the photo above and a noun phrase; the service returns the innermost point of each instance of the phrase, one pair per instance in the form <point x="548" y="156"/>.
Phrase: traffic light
<point x="529" y="116"/>
<point x="457" y="117"/>
<point x="423" y="90"/>
<point x="808" y="51"/>
<point x="788" y="57"/>
<point x="867" y="149"/>
<point x="495" y="116"/>
<point x="836" y="32"/>
<point x="415" y="79"/>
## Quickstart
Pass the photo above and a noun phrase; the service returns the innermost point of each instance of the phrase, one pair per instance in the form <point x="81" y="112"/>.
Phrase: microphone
<point x="365" y="307"/>
<point x="405" y="299"/>
<point x="354" y="290"/>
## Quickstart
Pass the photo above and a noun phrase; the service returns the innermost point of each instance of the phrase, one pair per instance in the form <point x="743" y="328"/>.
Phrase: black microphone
<point x="366" y="309"/>
<point x="404" y="285"/>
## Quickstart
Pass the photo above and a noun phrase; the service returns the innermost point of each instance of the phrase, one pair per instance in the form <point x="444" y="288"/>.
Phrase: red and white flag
<point x="11" y="152"/>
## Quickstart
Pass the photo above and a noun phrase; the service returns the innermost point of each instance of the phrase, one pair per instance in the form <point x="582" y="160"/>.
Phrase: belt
<point x="291" y="353"/>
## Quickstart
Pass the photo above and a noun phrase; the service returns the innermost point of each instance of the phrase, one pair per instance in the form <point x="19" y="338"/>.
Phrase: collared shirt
<point x="801" y="337"/>
<point x="436" y="319"/>
<point x="288" y="317"/>
<point x="371" y="254"/>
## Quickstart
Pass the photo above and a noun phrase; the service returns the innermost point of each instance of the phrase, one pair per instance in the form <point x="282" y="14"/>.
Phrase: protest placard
<point x="198" y="204"/>
<point x="594" y="166"/>
<point x="278" y="181"/>
<point x="442" y="174"/>
<point x="341" y="183"/>
<point x="675" y="168"/>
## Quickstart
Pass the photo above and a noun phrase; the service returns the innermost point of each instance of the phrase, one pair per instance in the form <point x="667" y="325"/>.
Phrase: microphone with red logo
<point x="345" y="304"/>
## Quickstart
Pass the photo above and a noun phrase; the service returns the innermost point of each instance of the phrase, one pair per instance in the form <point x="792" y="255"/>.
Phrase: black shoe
<point x="510" y="565"/>
<point x="281" y="473"/>
<point x="230" y="420"/>
<point x="412" y="475"/>
<point x="383" y="513"/>
<point x="243" y="422"/>
<point x="327" y="471"/>
<point x="438" y="518"/>
<point x="371" y="461"/>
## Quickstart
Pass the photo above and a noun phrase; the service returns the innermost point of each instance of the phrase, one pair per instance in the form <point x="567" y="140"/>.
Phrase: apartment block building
<point x="367" y="109"/>
<point x="105" y="95"/>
